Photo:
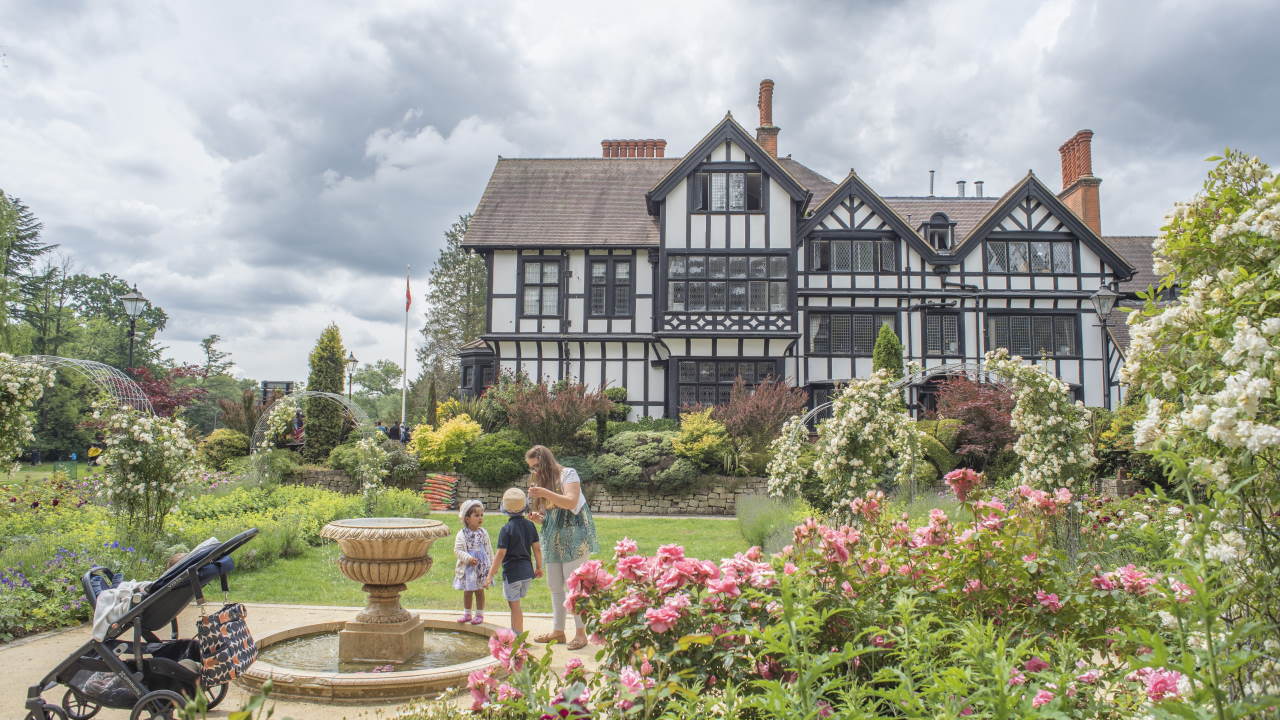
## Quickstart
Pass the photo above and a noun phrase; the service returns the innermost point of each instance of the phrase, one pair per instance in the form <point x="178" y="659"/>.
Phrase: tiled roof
<point x="820" y="186"/>
<point x="965" y="212"/>
<point x="1136" y="250"/>
<point x="581" y="201"/>
<point x="568" y="201"/>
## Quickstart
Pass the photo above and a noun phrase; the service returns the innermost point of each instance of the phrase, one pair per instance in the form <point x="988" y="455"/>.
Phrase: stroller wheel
<point x="158" y="705"/>
<point x="50" y="712"/>
<point x="217" y="694"/>
<point x="77" y="706"/>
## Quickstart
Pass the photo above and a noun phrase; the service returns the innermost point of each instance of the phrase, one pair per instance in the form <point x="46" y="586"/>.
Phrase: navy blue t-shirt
<point x="517" y="538"/>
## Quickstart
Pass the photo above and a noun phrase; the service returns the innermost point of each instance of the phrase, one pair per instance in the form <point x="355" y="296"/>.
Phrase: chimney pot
<point x="632" y="148"/>
<point x="661" y="149"/>
<point x="931" y="172"/>
<point x="977" y="188"/>
<point x="959" y="188"/>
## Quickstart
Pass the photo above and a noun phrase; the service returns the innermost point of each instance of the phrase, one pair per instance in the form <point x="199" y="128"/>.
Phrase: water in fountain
<point x="318" y="652"/>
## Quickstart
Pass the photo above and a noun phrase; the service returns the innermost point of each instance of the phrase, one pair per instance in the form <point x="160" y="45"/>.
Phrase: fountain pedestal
<point x="383" y="554"/>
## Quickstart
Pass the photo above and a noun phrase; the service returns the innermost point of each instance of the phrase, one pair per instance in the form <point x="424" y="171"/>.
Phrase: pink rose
<point x="1049" y="601"/>
<point x="624" y="547"/>
<point x="1042" y="698"/>
<point x="962" y="481"/>
<point x="631" y="680"/>
<point x="507" y="692"/>
<point x="670" y="553"/>
<point x="1035" y="664"/>
<point x="1090" y="677"/>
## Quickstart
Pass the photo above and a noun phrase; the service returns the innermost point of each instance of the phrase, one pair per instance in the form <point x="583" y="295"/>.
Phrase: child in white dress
<point x="475" y="555"/>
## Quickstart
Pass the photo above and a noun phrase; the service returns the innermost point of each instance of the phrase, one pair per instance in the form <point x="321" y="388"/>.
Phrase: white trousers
<point x="557" y="574"/>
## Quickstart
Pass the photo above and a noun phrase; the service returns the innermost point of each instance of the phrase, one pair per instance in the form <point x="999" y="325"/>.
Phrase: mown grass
<point x="313" y="578"/>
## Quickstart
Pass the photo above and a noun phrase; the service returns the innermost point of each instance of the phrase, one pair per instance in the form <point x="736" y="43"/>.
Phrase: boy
<point x="517" y="542"/>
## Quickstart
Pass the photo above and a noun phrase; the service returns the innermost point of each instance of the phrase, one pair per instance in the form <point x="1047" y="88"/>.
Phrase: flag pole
<point x="404" y="376"/>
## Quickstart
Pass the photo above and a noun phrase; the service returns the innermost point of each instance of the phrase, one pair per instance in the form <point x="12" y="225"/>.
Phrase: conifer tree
<point x="455" y="313"/>
<point x="887" y="353"/>
<point x="325" y="420"/>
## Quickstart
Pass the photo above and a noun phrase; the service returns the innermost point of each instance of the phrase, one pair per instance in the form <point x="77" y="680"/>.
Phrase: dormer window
<point x="726" y="192"/>
<point x="940" y="232"/>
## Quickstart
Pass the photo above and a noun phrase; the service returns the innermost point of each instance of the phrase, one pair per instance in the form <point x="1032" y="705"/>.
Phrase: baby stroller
<point x="132" y="667"/>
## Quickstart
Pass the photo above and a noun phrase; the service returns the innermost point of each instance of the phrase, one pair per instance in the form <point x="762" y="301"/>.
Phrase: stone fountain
<point x="383" y="554"/>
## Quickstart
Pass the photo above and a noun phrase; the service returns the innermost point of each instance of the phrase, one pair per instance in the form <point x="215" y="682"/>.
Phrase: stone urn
<point x="383" y="554"/>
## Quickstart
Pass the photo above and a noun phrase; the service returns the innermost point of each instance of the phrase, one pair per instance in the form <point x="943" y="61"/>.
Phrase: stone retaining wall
<point x="325" y="478"/>
<point x="715" y="495"/>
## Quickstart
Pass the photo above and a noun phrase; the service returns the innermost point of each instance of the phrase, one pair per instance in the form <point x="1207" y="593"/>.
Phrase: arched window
<point x="940" y="232"/>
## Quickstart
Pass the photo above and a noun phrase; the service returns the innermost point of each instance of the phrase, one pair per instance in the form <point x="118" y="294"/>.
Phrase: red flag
<point x="408" y="296"/>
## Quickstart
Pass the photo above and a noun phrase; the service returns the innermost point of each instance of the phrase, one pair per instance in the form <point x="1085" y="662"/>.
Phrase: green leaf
<point x="685" y="642"/>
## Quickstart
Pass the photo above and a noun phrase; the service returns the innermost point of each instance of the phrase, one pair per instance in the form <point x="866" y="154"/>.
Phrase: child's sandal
<point x="478" y="619"/>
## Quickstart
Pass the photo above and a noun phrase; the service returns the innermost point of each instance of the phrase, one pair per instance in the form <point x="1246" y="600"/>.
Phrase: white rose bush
<point x="1207" y="367"/>
<point x="21" y="386"/>
<point x="370" y="469"/>
<point x="148" y="465"/>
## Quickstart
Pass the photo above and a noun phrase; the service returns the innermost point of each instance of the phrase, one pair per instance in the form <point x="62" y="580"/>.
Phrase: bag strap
<point x="193" y="577"/>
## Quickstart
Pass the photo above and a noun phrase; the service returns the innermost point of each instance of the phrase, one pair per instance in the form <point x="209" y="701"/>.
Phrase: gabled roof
<point x="567" y="202"/>
<point x="727" y="129"/>
<point x="1136" y="250"/>
<point x="853" y="185"/>
<point x="965" y="212"/>
<point x="1031" y="186"/>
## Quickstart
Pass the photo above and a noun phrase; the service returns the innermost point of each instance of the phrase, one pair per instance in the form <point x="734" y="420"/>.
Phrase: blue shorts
<point x="514" y="591"/>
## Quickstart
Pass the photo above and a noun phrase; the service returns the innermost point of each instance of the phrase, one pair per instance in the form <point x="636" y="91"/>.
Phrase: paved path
<point x="26" y="661"/>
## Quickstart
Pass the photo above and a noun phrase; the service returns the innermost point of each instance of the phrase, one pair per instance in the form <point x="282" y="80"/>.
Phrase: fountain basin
<point x="357" y="687"/>
<point x="383" y="554"/>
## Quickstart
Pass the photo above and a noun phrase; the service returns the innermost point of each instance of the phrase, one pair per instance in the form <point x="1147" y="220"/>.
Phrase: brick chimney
<point x="1079" y="186"/>
<point x="633" y="148"/>
<point x="767" y="133"/>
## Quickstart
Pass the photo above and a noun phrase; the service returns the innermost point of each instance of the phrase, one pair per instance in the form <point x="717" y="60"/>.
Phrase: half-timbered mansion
<point x="674" y="276"/>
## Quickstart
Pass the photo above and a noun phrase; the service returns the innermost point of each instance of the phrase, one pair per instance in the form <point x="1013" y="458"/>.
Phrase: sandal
<point x="576" y="644"/>
<point x="554" y="636"/>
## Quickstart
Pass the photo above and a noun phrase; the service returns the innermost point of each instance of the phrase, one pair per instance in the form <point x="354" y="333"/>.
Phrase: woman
<point x="568" y="533"/>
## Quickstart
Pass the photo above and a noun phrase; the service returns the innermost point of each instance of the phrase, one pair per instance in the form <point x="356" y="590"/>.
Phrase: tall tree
<point x="378" y="389"/>
<point x="455" y="310"/>
<point x="46" y="307"/>
<point x="216" y="362"/>
<point x="20" y="248"/>
<point x="104" y="332"/>
<point x="325" y="420"/>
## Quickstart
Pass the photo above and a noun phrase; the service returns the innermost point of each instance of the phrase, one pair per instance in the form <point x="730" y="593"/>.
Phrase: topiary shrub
<point x="495" y="460"/>
<point x="617" y="472"/>
<point x="222" y="446"/>
<point x="945" y="430"/>
<point x="680" y="475"/>
<point x="620" y="410"/>
<point x="585" y="466"/>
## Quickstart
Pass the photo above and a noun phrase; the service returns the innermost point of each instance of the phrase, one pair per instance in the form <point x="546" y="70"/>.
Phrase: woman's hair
<point x="548" y="473"/>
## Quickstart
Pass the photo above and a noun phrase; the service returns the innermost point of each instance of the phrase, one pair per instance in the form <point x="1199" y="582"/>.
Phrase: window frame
<point x="809" y="335"/>
<point x="1054" y="243"/>
<point x="819" y="246"/>
<point x="929" y="317"/>
<point x="687" y="280"/>
<point x="700" y="194"/>
<point x="1074" y="317"/>
<point x="521" y="284"/>
<point x="611" y="286"/>
<point x="719" y="381"/>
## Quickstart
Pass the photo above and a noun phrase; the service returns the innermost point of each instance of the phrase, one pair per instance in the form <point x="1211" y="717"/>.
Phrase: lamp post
<point x="351" y="371"/>
<point x="134" y="302"/>
<point x="1104" y="301"/>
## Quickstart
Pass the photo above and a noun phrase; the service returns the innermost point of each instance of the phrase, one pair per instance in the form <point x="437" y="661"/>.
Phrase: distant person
<point x="404" y="433"/>
<point x="519" y="555"/>
<point x="394" y="432"/>
<point x="381" y="428"/>
<point x="37" y="456"/>
<point x="95" y="449"/>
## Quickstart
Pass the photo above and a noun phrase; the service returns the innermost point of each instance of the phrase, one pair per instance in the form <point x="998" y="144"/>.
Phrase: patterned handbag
<point x="226" y="647"/>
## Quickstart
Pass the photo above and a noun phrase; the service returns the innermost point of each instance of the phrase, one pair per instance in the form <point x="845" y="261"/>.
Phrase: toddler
<point x="517" y="544"/>
<point x="472" y="548"/>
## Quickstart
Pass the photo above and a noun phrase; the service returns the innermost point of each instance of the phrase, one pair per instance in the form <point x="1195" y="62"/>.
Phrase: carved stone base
<point x="380" y="642"/>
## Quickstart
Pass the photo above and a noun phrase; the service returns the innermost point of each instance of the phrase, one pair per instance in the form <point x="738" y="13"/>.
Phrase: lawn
<point x="313" y="577"/>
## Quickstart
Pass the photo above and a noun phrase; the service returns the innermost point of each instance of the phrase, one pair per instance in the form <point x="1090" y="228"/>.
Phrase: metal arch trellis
<point x="974" y="371"/>
<point x="353" y="412"/>
<point x="120" y="386"/>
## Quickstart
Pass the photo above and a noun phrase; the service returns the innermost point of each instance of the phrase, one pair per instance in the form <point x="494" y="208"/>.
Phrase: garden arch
<point x="972" y="370"/>
<point x="353" y="412"/>
<point x="110" y="380"/>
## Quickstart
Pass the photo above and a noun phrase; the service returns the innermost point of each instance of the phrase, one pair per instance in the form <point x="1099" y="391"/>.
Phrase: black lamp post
<point x="1104" y="301"/>
<point x="134" y="302"/>
<point x="351" y="371"/>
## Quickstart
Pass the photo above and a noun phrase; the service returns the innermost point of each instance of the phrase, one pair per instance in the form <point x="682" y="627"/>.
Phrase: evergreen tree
<point x="455" y="311"/>
<point x="216" y="362"/>
<point x="20" y="248"/>
<point x="325" y="420"/>
<point x="887" y="353"/>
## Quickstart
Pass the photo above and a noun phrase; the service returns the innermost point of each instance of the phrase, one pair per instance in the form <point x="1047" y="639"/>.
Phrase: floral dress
<point x="568" y="535"/>
<point x="471" y="544"/>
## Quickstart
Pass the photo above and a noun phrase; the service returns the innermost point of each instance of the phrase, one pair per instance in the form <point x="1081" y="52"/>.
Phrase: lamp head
<point x="134" y="302"/>
<point x="1104" y="301"/>
<point x="351" y="363"/>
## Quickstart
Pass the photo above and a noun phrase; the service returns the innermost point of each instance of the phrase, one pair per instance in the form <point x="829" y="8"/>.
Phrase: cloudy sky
<point x="261" y="169"/>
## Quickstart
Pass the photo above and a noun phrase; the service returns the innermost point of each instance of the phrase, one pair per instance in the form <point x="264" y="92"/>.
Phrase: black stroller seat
<point x="131" y="667"/>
